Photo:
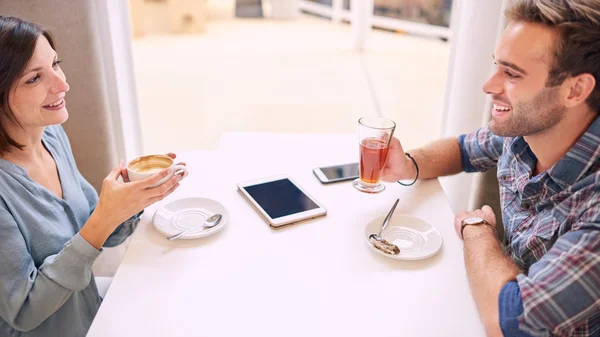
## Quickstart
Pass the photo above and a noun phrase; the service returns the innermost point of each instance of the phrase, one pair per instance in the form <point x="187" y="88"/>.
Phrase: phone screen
<point x="280" y="198"/>
<point x="341" y="171"/>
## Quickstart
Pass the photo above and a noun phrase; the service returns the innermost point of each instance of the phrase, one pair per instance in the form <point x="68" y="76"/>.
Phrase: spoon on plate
<point x="212" y="221"/>
<point x="380" y="243"/>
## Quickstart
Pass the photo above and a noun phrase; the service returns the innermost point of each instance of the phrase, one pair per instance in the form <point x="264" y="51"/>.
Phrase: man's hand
<point x="486" y="213"/>
<point x="398" y="166"/>
<point x="488" y="268"/>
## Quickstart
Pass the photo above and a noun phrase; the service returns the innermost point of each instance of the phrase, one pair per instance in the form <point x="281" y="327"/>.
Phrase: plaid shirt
<point x="552" y="228"/>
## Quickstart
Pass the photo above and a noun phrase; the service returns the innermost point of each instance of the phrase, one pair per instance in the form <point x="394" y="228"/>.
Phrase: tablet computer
<point x="280" y="201"/>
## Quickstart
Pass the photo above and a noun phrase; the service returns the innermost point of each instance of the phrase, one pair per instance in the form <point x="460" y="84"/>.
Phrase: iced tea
<point x="373" y="153"/>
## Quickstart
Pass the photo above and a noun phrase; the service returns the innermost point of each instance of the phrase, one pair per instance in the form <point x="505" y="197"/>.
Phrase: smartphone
<point x="332" y="174"/>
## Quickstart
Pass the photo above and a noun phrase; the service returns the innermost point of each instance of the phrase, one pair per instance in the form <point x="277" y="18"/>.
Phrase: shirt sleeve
<point x="480" y="150"/>
<point x="561" y="290"/>
<point x="30" y="294"/>
<point x="123" y="231"/>
<point x="510" y="306"/>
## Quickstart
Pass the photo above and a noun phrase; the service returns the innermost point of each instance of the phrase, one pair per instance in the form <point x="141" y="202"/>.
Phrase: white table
<point x="312" y="279"/>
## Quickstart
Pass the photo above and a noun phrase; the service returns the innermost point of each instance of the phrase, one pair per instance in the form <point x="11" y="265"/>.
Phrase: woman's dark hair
<point x="18" y="39"/>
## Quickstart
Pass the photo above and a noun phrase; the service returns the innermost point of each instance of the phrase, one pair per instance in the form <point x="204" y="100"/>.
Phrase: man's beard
<point x="534" y="116"/>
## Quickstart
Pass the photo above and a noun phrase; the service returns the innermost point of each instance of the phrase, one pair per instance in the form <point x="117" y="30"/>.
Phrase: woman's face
<point x="38" y="97"/>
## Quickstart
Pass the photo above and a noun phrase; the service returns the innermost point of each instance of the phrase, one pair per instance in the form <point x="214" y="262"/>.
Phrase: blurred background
<point x="204" y="67"/>
<point x="151" y="76"/>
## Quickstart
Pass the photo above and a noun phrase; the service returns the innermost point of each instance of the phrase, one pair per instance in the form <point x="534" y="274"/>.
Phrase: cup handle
<point x="177" y="169"/>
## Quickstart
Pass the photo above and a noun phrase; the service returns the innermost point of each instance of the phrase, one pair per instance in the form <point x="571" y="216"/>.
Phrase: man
<point x="544" y="138"/>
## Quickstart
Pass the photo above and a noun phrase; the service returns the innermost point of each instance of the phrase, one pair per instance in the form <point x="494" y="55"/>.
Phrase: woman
<point x="52" y="222"/>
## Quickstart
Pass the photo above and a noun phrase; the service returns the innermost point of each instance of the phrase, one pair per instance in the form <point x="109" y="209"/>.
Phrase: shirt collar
<point x="580" y="159"/>
<point x="583" y="156"/>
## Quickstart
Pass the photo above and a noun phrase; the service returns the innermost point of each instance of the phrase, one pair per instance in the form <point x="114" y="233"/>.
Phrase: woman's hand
<point x="120" y="200"/>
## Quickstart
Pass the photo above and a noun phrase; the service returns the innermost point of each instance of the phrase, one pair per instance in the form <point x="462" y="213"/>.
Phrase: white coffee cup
<point x="146" y="166"/>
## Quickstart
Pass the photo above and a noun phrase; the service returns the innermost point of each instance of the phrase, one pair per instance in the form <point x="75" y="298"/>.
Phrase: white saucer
<point x="416" y="238"/>
<point x="185" y="213"/>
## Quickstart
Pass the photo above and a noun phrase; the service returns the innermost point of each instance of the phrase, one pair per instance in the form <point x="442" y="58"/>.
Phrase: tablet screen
<point x="280" y="198"/>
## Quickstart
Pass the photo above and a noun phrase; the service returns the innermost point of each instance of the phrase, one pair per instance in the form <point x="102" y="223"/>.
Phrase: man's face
<point x="523" y="105"/>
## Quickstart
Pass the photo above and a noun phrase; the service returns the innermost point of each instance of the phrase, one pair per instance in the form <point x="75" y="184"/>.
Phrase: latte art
<point x="150" y="164"/>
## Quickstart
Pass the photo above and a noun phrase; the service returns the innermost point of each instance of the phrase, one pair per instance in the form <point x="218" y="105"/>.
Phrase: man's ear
<point x="580" y="88"/>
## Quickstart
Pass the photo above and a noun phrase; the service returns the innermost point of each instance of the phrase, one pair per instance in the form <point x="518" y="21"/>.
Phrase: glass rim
<point x="393" y="126"/>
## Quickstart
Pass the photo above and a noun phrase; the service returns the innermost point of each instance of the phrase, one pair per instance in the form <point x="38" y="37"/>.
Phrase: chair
<point x="103" y="283"/>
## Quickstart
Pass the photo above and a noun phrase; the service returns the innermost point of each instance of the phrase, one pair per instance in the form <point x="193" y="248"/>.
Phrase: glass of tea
<point x="374" y="136"/>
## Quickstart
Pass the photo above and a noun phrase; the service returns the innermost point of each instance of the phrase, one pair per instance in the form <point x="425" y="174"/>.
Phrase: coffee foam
<point x="150" y="164"/>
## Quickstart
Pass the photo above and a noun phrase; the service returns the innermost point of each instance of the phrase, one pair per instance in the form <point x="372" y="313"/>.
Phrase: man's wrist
<point x="410" y="169"/>
<point x="471" y="232"/>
